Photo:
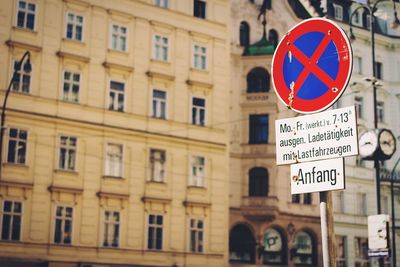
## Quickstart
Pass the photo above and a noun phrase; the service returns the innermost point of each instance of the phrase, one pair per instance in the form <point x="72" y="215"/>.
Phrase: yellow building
<point x="115" y="146"/>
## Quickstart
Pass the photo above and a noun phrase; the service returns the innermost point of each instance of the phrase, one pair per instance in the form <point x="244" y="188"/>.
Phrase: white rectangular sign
<point x="378" y="231"/>
<point x="323" y="135"/>
<point x="317" y="176"/>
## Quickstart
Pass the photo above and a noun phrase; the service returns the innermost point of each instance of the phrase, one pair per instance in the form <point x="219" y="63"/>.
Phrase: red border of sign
<point x="340" y="39"/>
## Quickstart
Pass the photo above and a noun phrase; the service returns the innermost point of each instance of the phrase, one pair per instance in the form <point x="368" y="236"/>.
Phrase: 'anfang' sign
<point x="317" y="176"/>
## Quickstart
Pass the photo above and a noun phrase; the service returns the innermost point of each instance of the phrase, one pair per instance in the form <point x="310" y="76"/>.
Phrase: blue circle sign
<point x="312" y="65"/>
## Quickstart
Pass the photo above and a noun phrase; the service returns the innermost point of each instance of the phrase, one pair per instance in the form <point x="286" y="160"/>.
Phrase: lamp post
<point x="393" y="213"/>
<point x="372" y="8"/>
<point x="15" y="77"/>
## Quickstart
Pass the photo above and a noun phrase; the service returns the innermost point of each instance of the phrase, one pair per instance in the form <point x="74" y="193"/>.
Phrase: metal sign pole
<point x="327" y="232"/>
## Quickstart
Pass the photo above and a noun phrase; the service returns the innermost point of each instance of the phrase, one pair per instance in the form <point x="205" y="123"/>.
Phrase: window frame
<point x="203" y="9"/>
<point x="156" y="111"/>
<point x="12" y="215"/>
<point x="21" y="74"/>
<point x="199" y="245"/>
<point x="155" y="236"/>
<point x="66" y="160"/>
<point x="157" y="47"/>
<point x="65" y="206"/>
<point x="162" y="3"/>
<point x="198" y="180"/>
<point x="200" y="56"/>
<point x="17" y="145"/>
<point x="361" y="204"/>
<point x="74" y="25"/>
<point x="116" y="94"/>
<point x="152" y="164"/>
<point x="71" y="83"/>
<point x="359" y="104"/>
<point x="256" y="128"/>
<point x="341" y="262"/>
<point x="380" y="110"/>
<point x="113" y="224"/>
<point x="107" y="167"/>
<point x="26" y="12"/>
<point x="118" y="37"/>
<point x="198" y="121"/>
<point x="338" y="12"/>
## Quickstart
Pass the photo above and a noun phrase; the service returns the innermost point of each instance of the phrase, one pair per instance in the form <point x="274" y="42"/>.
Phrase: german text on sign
<point x="323" y="135"/>
<point x="317" y="176"/>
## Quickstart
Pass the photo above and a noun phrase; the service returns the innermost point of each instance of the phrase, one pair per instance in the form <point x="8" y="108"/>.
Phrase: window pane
<point x="6" y="227"/>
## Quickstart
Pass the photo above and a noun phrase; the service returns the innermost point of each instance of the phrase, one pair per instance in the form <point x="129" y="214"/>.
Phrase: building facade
<point x="115" y="148"/>
<point x="268" y="226"/>
<point x="359" y="199"/>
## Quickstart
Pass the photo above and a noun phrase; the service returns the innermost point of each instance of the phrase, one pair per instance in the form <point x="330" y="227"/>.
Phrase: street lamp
<point x="27" y="67"/>
<point x="393" y="213"/>
<point x="372" y="8"/>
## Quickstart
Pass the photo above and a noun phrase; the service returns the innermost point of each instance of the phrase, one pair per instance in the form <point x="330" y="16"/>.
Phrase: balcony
<point x="259" y="208"/>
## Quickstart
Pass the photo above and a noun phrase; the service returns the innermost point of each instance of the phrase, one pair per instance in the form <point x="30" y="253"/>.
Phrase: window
<point x="196" y="233"/>
<point x="306" y="198"/>
<point x="67" y="153"/>
<point x="199" y="9"/>
<point x="273" y="37"/>
<point x="339" y="201"/>
<point x="361" y="252"/>
<point x="160" y="48"/>
<point x="357" y="65"/>
<point x="200" y="57"/>
<point x="111" y="228"/>
<point x="21" y="80"/>
<point x="11" y="218"/>
<point x="198" y="111"/>
<point x="378" y="70"/>
<point x="159" y="104"/>
<point x="304" y="252"/>
<point x="258" y="182"/>
<point x="296" y="198"/>
<point x="242" y="245"/>
<point x="116" y="96"/>
<point x="114" y="161"/>
<point x="17" y="141"/>
<point x="74" y="27"/>
<point x="258" y="129"/>
<point x="338" y="12"/>
<point x="155" y="232"/>
<point x="341" y="254"/>
<point x="161" y="3"/>
<point x="357" y="19"/>
<point x="274" y="247"/>
<point x="380" y="109"/>
<point x="359" y="103"/>
<point x="26" y="13"/>
<point x="244" y="34"/>
<point x="118" y="37"/>
<point x="361" y="204"/>
<point x="71" y="86"/>
<point x="258" y="80"/>
<point x="63" y="225"/>
<point x="157" y="165"/>
<point x="197" y="172"/>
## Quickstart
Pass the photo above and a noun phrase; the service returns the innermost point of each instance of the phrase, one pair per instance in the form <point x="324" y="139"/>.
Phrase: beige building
<point x="268" y="226"/>
<point x="115" y="148"/>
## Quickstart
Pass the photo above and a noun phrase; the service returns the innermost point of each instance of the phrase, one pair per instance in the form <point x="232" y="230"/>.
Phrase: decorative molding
<point x="30" y="47"/>
<point x="199" y="84"/>
<point x="112" y="195"/>
<point x="156" y="199"/>
<point x="190" y="203"/>
<point x="110" y="65"/>
<point x="117" y="13"/>
<point x="73" y="56"/>
<point x="63" y="189"/>
<point x="153" y="74"/>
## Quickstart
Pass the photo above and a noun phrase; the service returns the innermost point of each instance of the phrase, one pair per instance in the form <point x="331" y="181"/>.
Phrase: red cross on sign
<point x="312" y="65"/>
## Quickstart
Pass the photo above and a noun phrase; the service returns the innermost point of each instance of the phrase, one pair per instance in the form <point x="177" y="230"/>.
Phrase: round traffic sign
<point x="312" y="65"/>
